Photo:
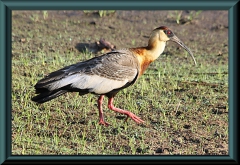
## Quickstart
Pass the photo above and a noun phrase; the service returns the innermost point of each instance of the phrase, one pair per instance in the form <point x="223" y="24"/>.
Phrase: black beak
<point x="179" y="42"/>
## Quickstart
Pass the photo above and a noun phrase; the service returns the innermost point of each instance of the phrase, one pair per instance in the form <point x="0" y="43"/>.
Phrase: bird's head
<point x="165" y="34"/>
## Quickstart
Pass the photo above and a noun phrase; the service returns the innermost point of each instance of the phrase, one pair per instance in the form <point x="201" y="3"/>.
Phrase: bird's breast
<point x="144" y="59"/>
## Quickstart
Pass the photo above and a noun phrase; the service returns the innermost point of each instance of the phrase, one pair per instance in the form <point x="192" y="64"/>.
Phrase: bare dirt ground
<point x="208" y="28"/>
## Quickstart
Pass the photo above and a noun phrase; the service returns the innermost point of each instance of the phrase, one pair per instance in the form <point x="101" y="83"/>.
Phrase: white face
<point x="163" y="36"/>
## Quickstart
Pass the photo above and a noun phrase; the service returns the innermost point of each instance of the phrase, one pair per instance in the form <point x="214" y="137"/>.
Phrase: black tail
<point x="45" y="96"/>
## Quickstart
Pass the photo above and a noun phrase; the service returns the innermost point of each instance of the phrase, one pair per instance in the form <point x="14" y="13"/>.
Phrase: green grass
<point x="101" y="13"/>
<point x="178" y="16"/>
<point x="184" y="107"/>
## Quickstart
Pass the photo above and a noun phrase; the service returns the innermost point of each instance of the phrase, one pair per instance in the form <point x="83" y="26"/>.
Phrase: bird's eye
<point x="169" y="32"/>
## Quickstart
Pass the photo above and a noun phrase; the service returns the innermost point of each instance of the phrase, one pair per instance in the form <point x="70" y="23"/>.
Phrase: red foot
<point x="134" y="117"/>
<point x="125" y="112"/>
<point x="102" y="122"/>
<point x="101" y="118"/>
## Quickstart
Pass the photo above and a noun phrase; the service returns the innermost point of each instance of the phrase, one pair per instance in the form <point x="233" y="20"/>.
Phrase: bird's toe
<point x="135" y="118"/>
<point x="102" y="122"/>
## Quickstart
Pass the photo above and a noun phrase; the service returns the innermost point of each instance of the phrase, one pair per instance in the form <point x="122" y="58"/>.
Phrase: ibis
<point x="107" y="74"/>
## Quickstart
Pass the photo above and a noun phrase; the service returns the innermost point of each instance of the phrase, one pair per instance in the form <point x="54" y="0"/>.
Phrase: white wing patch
<point x="63" y="82"/>
<point x="94" y="83"/>
<point x="98" y="84"/>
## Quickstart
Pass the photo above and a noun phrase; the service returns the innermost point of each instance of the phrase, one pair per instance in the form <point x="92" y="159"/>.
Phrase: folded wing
<point x="100" y="75"/>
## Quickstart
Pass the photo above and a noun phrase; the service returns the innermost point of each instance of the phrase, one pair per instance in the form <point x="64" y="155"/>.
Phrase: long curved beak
<point x="179" y="42"/>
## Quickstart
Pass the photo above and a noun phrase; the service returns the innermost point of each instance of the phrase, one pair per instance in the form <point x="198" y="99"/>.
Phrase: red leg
<point x="101" y="118"/>
<point x="125" y="112"/>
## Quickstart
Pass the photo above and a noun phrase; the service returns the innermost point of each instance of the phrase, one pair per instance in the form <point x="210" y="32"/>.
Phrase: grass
<point x="188" y="18"/>
<point x="185" y="108"/>
<point x="101" y="13"/>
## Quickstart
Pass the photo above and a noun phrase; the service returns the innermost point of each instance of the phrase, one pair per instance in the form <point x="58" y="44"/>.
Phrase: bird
<point x="107" y="74"/>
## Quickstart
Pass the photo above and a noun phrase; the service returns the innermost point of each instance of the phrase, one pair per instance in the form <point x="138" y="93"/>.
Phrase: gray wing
<point x="98" y="75"/>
